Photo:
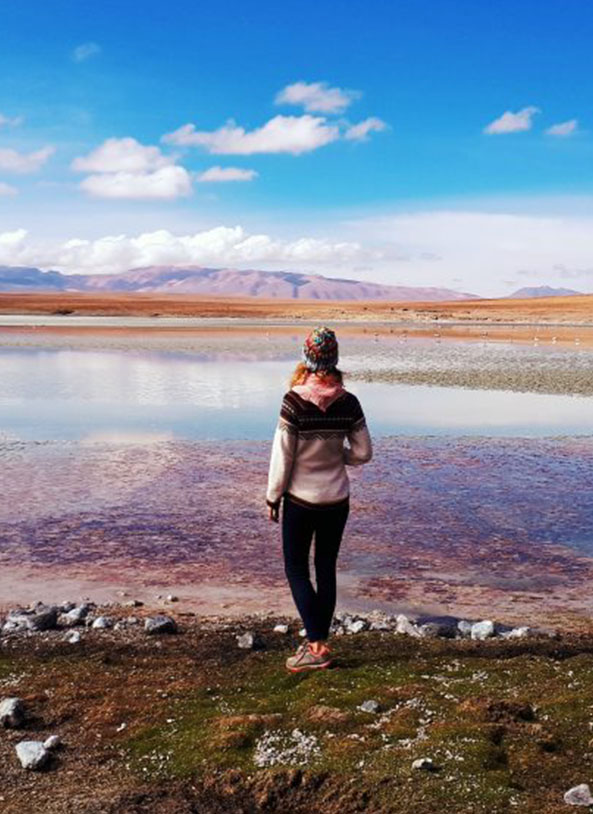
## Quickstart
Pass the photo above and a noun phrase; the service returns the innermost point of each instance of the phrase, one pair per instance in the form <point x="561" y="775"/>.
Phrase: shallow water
<point x="64" y="394"/>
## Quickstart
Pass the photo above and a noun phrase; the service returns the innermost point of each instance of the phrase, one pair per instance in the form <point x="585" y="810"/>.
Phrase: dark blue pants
<point x="299" y="525"/>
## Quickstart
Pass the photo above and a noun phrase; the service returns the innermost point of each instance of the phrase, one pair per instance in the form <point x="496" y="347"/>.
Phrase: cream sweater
<point x="309" y="456"/>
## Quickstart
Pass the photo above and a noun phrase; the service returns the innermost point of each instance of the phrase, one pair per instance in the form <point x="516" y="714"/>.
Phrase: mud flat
<point x="467" y="526"/>
<point x="576" y="310"/>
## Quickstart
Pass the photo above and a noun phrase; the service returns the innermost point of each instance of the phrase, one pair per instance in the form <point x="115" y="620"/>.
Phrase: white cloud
<point x="317" y="97"/>
<point x="165" y="184"/>
<point x="6" y="189"/>
<point x="281" y="134"/>
<point x="7" y="121"/>
<point x="563" y="128"/>
<point x="85" y="51"/>
<point x="511" y="122"/>
<point x="13" y="161"/>
<point x="360" y="131"/>
<point x="220" y="246"/>
<point x="124" y="168"/>
<point x="224" y="174"/>
<point x="122" y="155"/>
<point x="481" y="248"/>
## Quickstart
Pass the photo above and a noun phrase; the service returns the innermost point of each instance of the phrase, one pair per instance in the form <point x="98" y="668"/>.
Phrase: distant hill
<point x="541" y="291"/>
<point x="221" y="282"/>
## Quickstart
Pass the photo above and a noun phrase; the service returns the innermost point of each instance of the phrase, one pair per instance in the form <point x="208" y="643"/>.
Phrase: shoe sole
<point x="305" y="667"/>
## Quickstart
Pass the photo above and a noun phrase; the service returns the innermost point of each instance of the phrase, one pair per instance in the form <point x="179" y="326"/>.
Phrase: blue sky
<point x="427" y="196"/>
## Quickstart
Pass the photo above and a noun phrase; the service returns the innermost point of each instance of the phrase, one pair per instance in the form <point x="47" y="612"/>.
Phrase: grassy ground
<point x="177" y="724"/>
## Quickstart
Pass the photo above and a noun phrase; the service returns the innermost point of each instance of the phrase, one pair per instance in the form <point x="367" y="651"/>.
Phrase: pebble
<point x="32" y="754"/>
<point x="579" y="796"/>
<point x="12" y="713"/>
<point x="53" y="742"/>
<point x="516" y="633"/>
<point x="133" y="603"/>
<point x="281" y="629"/>
<point x="482" y="630"/>
<point x="246" y="641"/>
<point x="73" y="637"/>
<point x="172" y="598"/>
<point x="424" y="763"/>
<point x="370" y="706"/>
<point x="357" y="626"/>
<point x="102" y="622"/>
<point x="160" y="624"/>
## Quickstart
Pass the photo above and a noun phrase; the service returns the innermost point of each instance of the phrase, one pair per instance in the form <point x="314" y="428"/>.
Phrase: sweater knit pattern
<point x="309" y="456"/>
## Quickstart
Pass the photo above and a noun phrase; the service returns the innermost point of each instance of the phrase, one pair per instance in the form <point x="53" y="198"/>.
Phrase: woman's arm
<point x="283" y="454"/>
<point x="360" y="449"/>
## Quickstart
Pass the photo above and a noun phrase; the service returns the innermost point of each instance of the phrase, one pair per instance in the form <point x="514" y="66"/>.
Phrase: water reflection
<point x="66" y="394"/>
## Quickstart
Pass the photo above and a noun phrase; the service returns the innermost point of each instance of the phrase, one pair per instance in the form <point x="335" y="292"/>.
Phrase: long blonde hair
<point x="301" y="374"/>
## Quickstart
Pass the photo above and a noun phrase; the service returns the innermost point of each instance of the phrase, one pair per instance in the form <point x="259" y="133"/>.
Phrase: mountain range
<point x="220" y="282"/>
<point x="284" y="285"/>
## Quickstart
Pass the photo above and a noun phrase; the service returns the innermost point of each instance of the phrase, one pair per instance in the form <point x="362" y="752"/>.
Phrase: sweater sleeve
<point x="283" y="453"/>
<point x="360" y="448"/>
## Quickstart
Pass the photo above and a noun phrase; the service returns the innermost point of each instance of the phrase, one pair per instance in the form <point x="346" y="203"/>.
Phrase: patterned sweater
<point x="309" y="457"/>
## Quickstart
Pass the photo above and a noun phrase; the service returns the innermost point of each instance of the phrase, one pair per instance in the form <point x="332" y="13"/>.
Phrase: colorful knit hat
<point x="320" y="350"/>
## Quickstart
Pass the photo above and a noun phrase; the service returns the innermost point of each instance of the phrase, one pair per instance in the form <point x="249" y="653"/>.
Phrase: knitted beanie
<point x="320" y="350"/>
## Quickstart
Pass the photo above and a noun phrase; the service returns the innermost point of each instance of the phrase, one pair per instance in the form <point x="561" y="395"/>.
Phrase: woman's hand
<point x="273" y="512"/>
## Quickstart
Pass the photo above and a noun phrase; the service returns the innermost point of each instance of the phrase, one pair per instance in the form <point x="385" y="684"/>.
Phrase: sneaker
<point x="305" y="659"/>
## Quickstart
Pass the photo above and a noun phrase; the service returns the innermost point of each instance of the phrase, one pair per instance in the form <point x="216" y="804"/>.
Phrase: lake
<point x="53" y="394"/>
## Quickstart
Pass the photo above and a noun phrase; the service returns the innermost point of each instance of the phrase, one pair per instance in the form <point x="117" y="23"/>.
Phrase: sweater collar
<point x="320" y="393"/>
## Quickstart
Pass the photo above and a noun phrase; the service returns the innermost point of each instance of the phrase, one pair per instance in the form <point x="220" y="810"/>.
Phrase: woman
<point x="308" y="471"/>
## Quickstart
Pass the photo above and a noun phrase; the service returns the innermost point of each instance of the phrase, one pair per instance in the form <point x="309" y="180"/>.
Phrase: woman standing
<point x="308" y="471"/>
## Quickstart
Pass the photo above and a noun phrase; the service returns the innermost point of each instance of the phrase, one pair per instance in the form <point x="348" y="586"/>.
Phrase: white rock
<point x="172" y="598"/>
<point x="53" y="742"/>
<point x="357" y="626"/>
<point x="370" y="706"/>
<point x="302" y="633"/>
<point x="12" y="713"/>
<point x="482" y="630"/>
<point x="516" y="633"/>
<point x="246" y="641"/>
<point x="75" y="616"/>
<point x="32" y="754"/>
<point x="102" y="622"/>
<point x="579" y="796"/>
<point x="464" y="627"/>
<point x="404" y="625"/>
<point x="281" y="629"/>
<point x="425" y="763"/>
<point x="73" y="637"/>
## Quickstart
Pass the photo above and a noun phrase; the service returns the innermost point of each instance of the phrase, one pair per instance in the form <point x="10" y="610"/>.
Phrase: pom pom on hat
<point x="320" y="349"/>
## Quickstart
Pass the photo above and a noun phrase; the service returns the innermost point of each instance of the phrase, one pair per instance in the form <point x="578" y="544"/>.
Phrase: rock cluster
<point x="445" y="627"/>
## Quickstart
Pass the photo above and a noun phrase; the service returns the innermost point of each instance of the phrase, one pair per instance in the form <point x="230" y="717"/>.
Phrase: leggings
<point x="315" y="605"/>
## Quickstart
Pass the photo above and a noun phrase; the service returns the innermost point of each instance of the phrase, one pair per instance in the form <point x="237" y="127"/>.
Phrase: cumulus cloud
<point x="165" y="184"/>
<point x="85" y="51"/>
<point x="281" y="134"/>
<point x="124" y="168"/>
<point x="6" y="189"/>
<point x="563" y="128"/>
<point x="220" y="246"/>
<point x="8" y="121"/>
<point x="122" y="155"/>
<point x="360" y="131"/>
<point x="224" y="174"/>
<point x="511" y="122"/>
<point x="317" y="97"/>
<point x="23" y="163"/>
